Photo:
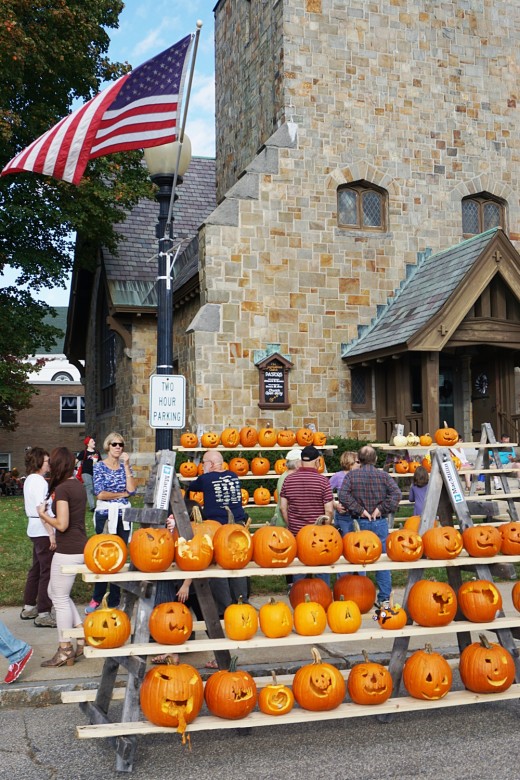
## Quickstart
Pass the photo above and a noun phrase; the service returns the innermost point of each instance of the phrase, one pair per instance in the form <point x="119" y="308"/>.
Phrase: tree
<point x="52" y="53"/>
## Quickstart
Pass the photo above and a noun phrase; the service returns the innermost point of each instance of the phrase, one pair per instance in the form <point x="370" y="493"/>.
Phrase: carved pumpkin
<point x="172" y="695"/>
<point x="286" y="438"/>
<point x="357" y="588"/>
<point x="343" y="617"/>
<point x="232" y="546"/>
<point x="274" y="546"/>
<point x="319" y="544"/>
<point x="198" y="496"/>
<point x="446" y="437"/>
<point x="248" y="436"/>
<point x="280" y="466"/>
<point x="442" y="542"/>
<point x="261" y="496"/>
<point x="260" y="466"/>
<point x="210" y="439"/>
<point x="510" y="533"/>
<point x="413" y="466"/>
<point x="194" y="554"/>
<point x="427" y="675"/>
<point x="200" y="469"/>
<point x="267" y="437"/>
<point x="482" y="541"/>
<point x="310" y="619"/>
<point x="479" y="600"/>
<point x="432" y="604"/>
<point x="105" y="553"/>
<point x="315" y="588"/>
<point x="275" y="698"/>
<point x="239" y="466"/>
<point x="245" y="496"/>
<point x="319" y="439"/>
<point x="391" y="618"/>
<point x="401" y="466"/>
<point x="276" y="619"/>
<point x="304" y="436"/>
<point x="369" y="683"/>
<point x="106" y="627"/>
<point x="231" y="694"/>
<point x="486" y="667"/>
<point x="361" y="546"/>
<point x="426" y="463"/>
<point x="240" y="621"/>
<point x="404" y="545"/>
<point x="189" y="440"/>
<point x="318" y="686"/>
<point x="320" y="465"/>
<point x="230" y="437"/>
<point x="152" y="549"/>
<point x="425" y="440"/>
<point x="400" y="441"/>
<point x="200" y="526"/>
<point x="456" y="462"/>
<point x="515" y="595"/>
<point x="171" y="623"/>
<point x="188" y="469"/>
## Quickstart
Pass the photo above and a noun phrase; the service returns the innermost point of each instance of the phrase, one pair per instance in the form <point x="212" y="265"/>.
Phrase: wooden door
<point x="483" y="395"/>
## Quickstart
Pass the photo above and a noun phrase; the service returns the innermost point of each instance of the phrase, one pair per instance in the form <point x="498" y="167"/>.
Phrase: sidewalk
<point x="39" y="686"/>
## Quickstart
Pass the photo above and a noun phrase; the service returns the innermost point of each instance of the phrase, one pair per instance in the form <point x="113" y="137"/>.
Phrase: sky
<point x="147" y="27"/>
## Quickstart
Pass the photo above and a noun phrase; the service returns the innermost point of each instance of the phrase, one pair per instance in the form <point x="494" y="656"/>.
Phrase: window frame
<point x="481" y="199"/>
<point x="361" y="188"/>
<point x="80" y="410"/>
<point x="364" y="374"/>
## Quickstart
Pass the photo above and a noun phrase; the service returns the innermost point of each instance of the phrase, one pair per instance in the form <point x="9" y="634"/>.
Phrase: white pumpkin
<point x="412" y="440"/>
<point x="400" y="441"/>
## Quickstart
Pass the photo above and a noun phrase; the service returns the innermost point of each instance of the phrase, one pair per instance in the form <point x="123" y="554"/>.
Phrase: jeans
<point x="100" y="588"/>
<point x="345" y="524"/>
<point x="10" y="647"/>
<point x="89" y="487"/>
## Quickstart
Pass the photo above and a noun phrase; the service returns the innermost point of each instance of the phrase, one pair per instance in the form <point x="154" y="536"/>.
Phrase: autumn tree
<point x="53" y="57"/>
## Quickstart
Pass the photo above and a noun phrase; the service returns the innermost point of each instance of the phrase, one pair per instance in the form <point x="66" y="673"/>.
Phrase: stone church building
<point x="359" y="230"/>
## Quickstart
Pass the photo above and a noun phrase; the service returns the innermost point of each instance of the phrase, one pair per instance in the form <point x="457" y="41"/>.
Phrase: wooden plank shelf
<point x="269" y="475"/>
<point x="256" y="448"/>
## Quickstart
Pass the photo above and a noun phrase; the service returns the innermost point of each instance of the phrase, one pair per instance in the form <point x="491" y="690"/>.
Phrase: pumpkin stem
<point x="273" y="675"/>
<point x="321" y="520"/>
<point x="365" y="656"/>
<point x="172" y="660"/>
<point x="316" y="657"/>
<point x="484" y="641"/>
<point x="233" y="663"/>
<point x="196" y="514"/>
<point x="355" y="525"/>
<point x="248" y="523"/>
<point x="104" y="601"/>
<point x="272" y="600"/>
<point x="391" y="600"/>
<point x="428" y="648"/>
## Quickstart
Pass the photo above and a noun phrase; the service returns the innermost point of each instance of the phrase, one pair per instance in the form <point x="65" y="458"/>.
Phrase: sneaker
<point x="15" y="669"/>
<point x="91" y="607"/>
<point x="45" y="620"/>
<point x="29" y="613"/>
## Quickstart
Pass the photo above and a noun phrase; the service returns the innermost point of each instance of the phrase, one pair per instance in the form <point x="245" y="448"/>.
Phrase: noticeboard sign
<point x="167" y="401"/>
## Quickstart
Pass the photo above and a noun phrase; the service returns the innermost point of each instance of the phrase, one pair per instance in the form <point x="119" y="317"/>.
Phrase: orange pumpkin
<point x="261" y="496"/>
<point x="315" y="588"/>
<point x="189" y="440"/>
<point x="239" y="466"/>
<point x="240" y="621"/>
<point x="486" y="667"/>
<point x="442" y="542"/>
<point x="200" y="526"/>
<point x="310" y="618"/>
<point x="267" y="437"/>
<point x="194" y="554"/>
<point x="107" y="627"/>
<point x="245" y="496"/>
<point x="320" y="465"/>
<point x="401" y="466"/>
<point x="446" y="437"/>
<point x="171" y="623"/>
<point x="280" y="466"/>
<point x="248" y="436"/>
<point x="210" y="439"/>
<point x="200" y="469"/>
<point x="274" y="546"/>
<point x="361" y="546"/>
<point x="304" y="436"/>
<point x="188" y="469"/>
<point x="369" y="683"/>
<point x="232" y="546"/>
<point x="515" y="595"/>
<point x="275" y="698"/>
<point x="393" y="617"/>
<point x="432" y="604"/>
<point x="172" y="695"/>
<point x="482" y="541"/>
<point x="260" y="466"/>
<point x="510" y="533"/>
<point x="404" y="545"/>
<point x="427" y="463"/>
<point x="286" y="438"/>
<point x="230" y="437"/>
<point x="425" y="440"/>
<point x="412" y="523"/>
<point x="413" y="466"/>
<point x="319" y="439"/>
<point x="357" y="588"/>
<point x="318" y="686"/>
<point x="105" y="553"/>
<point x="231" y="694"/>
<point x="152" y="549"/>
<point x="479" y="600"/>
<point x="456" y="462"/>
<point x="343" y="617"/>
<point x="427" y="675"/>
<point x="276" y="619"/>
<point x="319" y="544"/>
<point x="198" y="496"/>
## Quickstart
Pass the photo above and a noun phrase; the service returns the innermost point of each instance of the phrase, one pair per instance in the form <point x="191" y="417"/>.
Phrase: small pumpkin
<point x="482" y="541"/>
<point x="446" y="436"/>
<point x="232" y="546"/>
<point x="425" y="440"/>
<point x="276" y="619"/>
<point x="188" y="469"/>
<point x="275" y="698"/>
<point x="442" y="542"/>
<point x="318" y="686"/>
<point x="189" y="440"/>
<point x="240" y="621"/>
<point x="231" y="694"/>
<point x="267" y="437"/>
<point x="510" y="533"/>
<point x="210" y="439"/>
<point x="239" y="466"/>
<point x="152" y="549"/>
<point x="304" y="436"/>
<point x="426" y="463"/>
<point x="260" y="466"/>
<point x="361" y="546"/>
<point x="391" y="618"/>
<point x="280" y="466"/>
<point x="319" y="543"/>
<point x="314" y="587"/>
<point x="357" y="588"/>
<point x="248" y="436"/>
<point x="286" y="438"/>
<point x="106" y="627"/>
<point x="310" y="619"/>
<point x="172" y="695"/>
<point x="413" y="466"/>
<point x="274" y="546"/>
<point x="319" y="439"/>
<point x="170" y="623"/>
<point x="344" y="617"/>
<point x="404" y="545"/>
<point x="479" y="600"/>
<point x="486" y="667"/>
<point x="401" y="466"/>
<point x="400" y="441"/>
<point x="105" y="553"/>
<point x="431" y="603"/>
<point x="230" y="437"/>
<point x="412" y="440"/>
<point x="261" y="496"/>
<point x="369" y="682"/>
<point x="427" y="675"/>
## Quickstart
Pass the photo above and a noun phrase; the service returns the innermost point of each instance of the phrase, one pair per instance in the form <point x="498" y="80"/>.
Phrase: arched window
<point x="362" y="206"/>
<point x="482" y="212"/>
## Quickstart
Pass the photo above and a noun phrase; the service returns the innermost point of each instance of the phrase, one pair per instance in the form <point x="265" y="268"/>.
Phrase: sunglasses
<point x="116" y="444"/>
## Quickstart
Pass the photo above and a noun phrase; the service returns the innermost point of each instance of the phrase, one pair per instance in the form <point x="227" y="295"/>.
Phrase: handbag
<point x="79" y="472"/>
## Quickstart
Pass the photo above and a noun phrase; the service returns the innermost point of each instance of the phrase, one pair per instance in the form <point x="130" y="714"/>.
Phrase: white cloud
<point x="202" y="136"/>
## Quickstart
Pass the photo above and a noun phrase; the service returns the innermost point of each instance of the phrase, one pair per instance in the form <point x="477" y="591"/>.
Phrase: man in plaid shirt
<point x="368" y="495"/>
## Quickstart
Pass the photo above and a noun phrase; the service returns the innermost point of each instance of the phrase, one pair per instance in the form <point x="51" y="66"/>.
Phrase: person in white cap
<point x="293" y="462"/>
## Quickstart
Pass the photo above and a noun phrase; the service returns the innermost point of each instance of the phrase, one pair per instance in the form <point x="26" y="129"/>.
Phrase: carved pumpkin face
<point x="486" y="667"/>
<point x="198" y="496"/>
<point x="318" y="686"/>
<point x="239" y="465"/>
<point x="442" y="542"/>
<point x="240" y="621"/>
<point x="230" y="437"/>
<point x="319" y="544"/>
<point x="276" y="619"/>
<point x="280" y="466"/>
<point x="105" y="553"/>
<point x="188" y="469"/>
<point x="106" y="627"/>
<point x="427" y="463"/>
<point x="319" y="439"/>
<point x="510" y="533"/>
<point x="369" y="683"/>
<point x="304" y="436"/>
<point x="413" y="466"/>
<point x="446" y="437"/>
<point x="275" y="699"/>
<point x="152" y="549"/>
<point x="245" y="496"/>
<point x="260" y="466"/>
<point x="267" y="437"/>
<point x="231" y="694"/>
<point x="427" y="675"/>
<point x="171" y="623"/>
<point x="310" y="619"/>
<point x="432" y="603"/>
<point x="189" y="440"/>
<point x="515" y="595"/>
<point x="172" y="695"/>
<point x="479" y="600"/>
<point x="401" y="466"/>
<point x="404" y="545"/>
<point x="210" y="439"/>
<point x="273" y="546"/>
<point x="362" y="547"/>
<point x="194" y="554"/>
<point x="482" y="541"/>
<point x="248" y="436"/>
<point x="261" y="496"/>
<point x="343" y="617"/>
<point x="286" y="438"/>
<point x="233" y="546"/>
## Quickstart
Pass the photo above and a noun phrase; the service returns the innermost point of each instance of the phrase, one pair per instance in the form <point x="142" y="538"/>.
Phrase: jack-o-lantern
<point x="442" y="542"/>
<point x="361" y="546"/>
<point x="230" y="437"/>
<point x="261" y="496"/>
<point x="510" y="533"/>
<point x="446" y="437"/>
<point x="239" y="466"/>
<point x="210" y="439"/>
<point x="318" y="686"/>
<point x="515" y="595"/>
<point x="391" y="618"/>
<point x="170" y="623"/>
<point x="274" y="546"/>
<point x="432" y="604"/>
<point x="172" y="695"/>
<point x="356" y="587"/>
<point x="231" y="694"/>
<point x="106" y="627"/>
<point x="286" y="438"/>
<point x="486" y="667"/>
<point x="319" y="439"/>
<point x="343" y="617"/>
<point x="401" y="466"/>
<point x="427" y="675"/>
<point x="189" y="440"/>
<point x="413" y="466"/>
<point x="304" y="436"/>
<point x="260" y="466"/>
<point x="105" y="553"/>
<point x="280" y="466"/>
<point x="426" y="463"/>
<point x="482" y="541"/>
<point x="194" y="554"/>
<point x="248" y="436"/>
<point x="314" y="587"/>
<point x="245" y="496"/>
<point x="404" y="545"/>
<point x="276" y="619"/>
<point x="232" y="546"/>
<point x="152" y="549"/>
<point x="319" y="544"/>
<point x="200" y="469"/>
<point x="310" y="619"/>
<point x="369" y="683"/>
<point x="479" y="600"/>
<point x="275" y="698"/>
<point x="198" y="496"/>
<point x="188" y="469"/>
<point x="425" y="440"/>
<point x="240" y="621"/>
<point x="320" y="465"/>
<point x="267" y="437"/>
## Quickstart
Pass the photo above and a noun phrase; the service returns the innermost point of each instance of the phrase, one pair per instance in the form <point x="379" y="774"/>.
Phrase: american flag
<point x="139" y="110"/>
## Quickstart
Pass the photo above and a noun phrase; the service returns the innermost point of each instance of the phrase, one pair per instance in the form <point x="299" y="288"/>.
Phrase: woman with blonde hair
<point x="349" y="460"/>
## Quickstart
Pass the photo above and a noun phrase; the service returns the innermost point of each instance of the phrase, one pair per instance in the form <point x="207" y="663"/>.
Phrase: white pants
<point x="60" y="586"/>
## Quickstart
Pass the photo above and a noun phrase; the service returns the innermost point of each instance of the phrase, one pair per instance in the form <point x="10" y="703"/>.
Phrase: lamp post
<point x="162" y="162"/>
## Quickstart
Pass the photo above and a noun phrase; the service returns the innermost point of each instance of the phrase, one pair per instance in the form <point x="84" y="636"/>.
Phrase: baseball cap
<point x="294" y="455"/>
<point x="310" y="453"/>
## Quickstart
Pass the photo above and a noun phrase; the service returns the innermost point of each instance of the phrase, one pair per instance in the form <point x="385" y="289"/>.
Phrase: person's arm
<point x="61" y="521"/>
<point x="284" y="506"/>
<point x="184" y="591"/>
<point x="130" y="479"/>
<point x="329" y="510"/>
<point x="346" y="498"/>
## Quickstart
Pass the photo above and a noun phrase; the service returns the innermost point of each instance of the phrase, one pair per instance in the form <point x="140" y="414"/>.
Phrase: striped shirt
<point x="369" y="488"/>
<point x="307" y="491"/>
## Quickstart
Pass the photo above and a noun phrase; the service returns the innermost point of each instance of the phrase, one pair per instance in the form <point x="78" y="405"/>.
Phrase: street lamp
<point x="162" y="162"/>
